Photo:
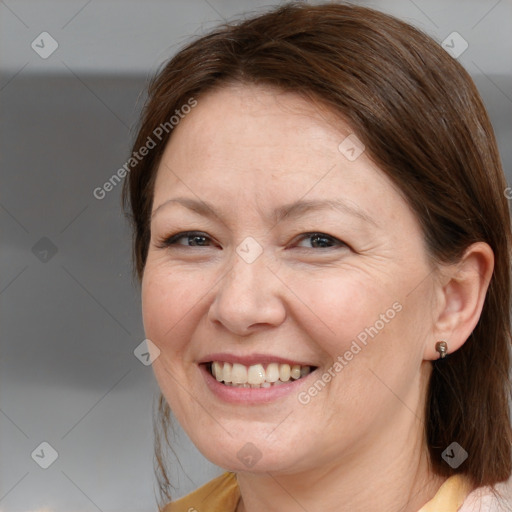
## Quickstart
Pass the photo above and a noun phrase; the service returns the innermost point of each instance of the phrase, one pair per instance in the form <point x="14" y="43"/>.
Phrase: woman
<point x="323" y="243"/>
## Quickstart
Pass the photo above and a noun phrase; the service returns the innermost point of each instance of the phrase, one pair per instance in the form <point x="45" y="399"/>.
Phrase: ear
<point x="461" y="295"/>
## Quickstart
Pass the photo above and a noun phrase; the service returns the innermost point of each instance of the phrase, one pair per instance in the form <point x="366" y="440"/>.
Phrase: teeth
<point x="256" y="375"/>
<point x="284" y="372"/>
<point x="272" y="372"/>
<point x="217" y="370"/>
<point x="305" y="370"/>
<point x="295" y="372"/>
<point x="238" y="374"/>
<point x="226" y="373"/>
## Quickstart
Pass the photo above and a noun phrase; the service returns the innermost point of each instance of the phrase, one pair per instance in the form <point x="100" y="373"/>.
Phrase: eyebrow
<point x="286" y="211"/>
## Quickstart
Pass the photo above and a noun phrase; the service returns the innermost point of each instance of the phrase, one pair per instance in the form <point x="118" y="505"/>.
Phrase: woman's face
<point x="302" y="253"/>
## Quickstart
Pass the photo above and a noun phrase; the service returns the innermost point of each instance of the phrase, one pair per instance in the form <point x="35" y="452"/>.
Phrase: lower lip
<point x="235" y="395"/>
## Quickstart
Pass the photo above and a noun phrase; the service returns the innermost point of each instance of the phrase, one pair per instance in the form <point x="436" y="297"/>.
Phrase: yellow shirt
<point x="222" y="494"/>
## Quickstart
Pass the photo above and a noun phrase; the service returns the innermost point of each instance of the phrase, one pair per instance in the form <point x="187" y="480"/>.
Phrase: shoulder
<point x="219" y="495"/>
<point x="454" y="496"/>
<point x="484" y="499"/>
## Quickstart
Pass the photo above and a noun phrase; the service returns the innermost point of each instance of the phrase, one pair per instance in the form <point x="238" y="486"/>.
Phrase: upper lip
<point x="250" y="359"/>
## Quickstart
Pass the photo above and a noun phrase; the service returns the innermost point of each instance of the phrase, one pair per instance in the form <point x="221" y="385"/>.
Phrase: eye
<point x="313" y="240"/>
<point x="320" y="240"/>
<point x="187" y="239"/>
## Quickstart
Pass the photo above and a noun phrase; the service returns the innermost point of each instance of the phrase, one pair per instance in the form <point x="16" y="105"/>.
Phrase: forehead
<point x="254" y="122"/>
<point x="259" y="144"/>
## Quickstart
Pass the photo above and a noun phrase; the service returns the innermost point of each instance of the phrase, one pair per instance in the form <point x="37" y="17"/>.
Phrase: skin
<point x="358" y="445"/>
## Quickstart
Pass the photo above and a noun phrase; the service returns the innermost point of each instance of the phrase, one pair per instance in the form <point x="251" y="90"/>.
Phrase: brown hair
<point x="423" y="123"/>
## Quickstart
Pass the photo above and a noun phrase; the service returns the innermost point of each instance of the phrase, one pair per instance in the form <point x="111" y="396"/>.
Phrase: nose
<point x="249" y="297"/>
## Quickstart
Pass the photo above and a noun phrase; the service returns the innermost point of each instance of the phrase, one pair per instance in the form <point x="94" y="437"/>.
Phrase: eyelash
<point x="171" y="240"/>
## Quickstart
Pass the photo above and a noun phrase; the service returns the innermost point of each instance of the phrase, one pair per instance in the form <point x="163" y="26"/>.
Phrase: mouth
<point x="259" y="375"/>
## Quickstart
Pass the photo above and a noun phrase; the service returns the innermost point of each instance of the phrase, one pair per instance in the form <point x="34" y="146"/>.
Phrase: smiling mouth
<point x="257" y="375"/>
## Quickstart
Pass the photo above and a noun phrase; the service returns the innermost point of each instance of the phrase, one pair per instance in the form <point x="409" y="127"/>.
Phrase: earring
<point x="442" y="348"/>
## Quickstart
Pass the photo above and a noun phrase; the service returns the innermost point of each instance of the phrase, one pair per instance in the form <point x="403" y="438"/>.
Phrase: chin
<point x="252" y="456"/>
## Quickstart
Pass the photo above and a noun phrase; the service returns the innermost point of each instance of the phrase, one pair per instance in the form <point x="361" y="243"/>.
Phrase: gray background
<point x="70" y="321"/>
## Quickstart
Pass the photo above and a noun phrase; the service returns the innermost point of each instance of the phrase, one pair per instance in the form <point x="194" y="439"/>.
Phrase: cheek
<point x="169" y="301"/>
<point x="364" y="323"/>
<point x="170" y="309"/>
<point x="368" y="332"/>
<point x="337" y="309"/>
